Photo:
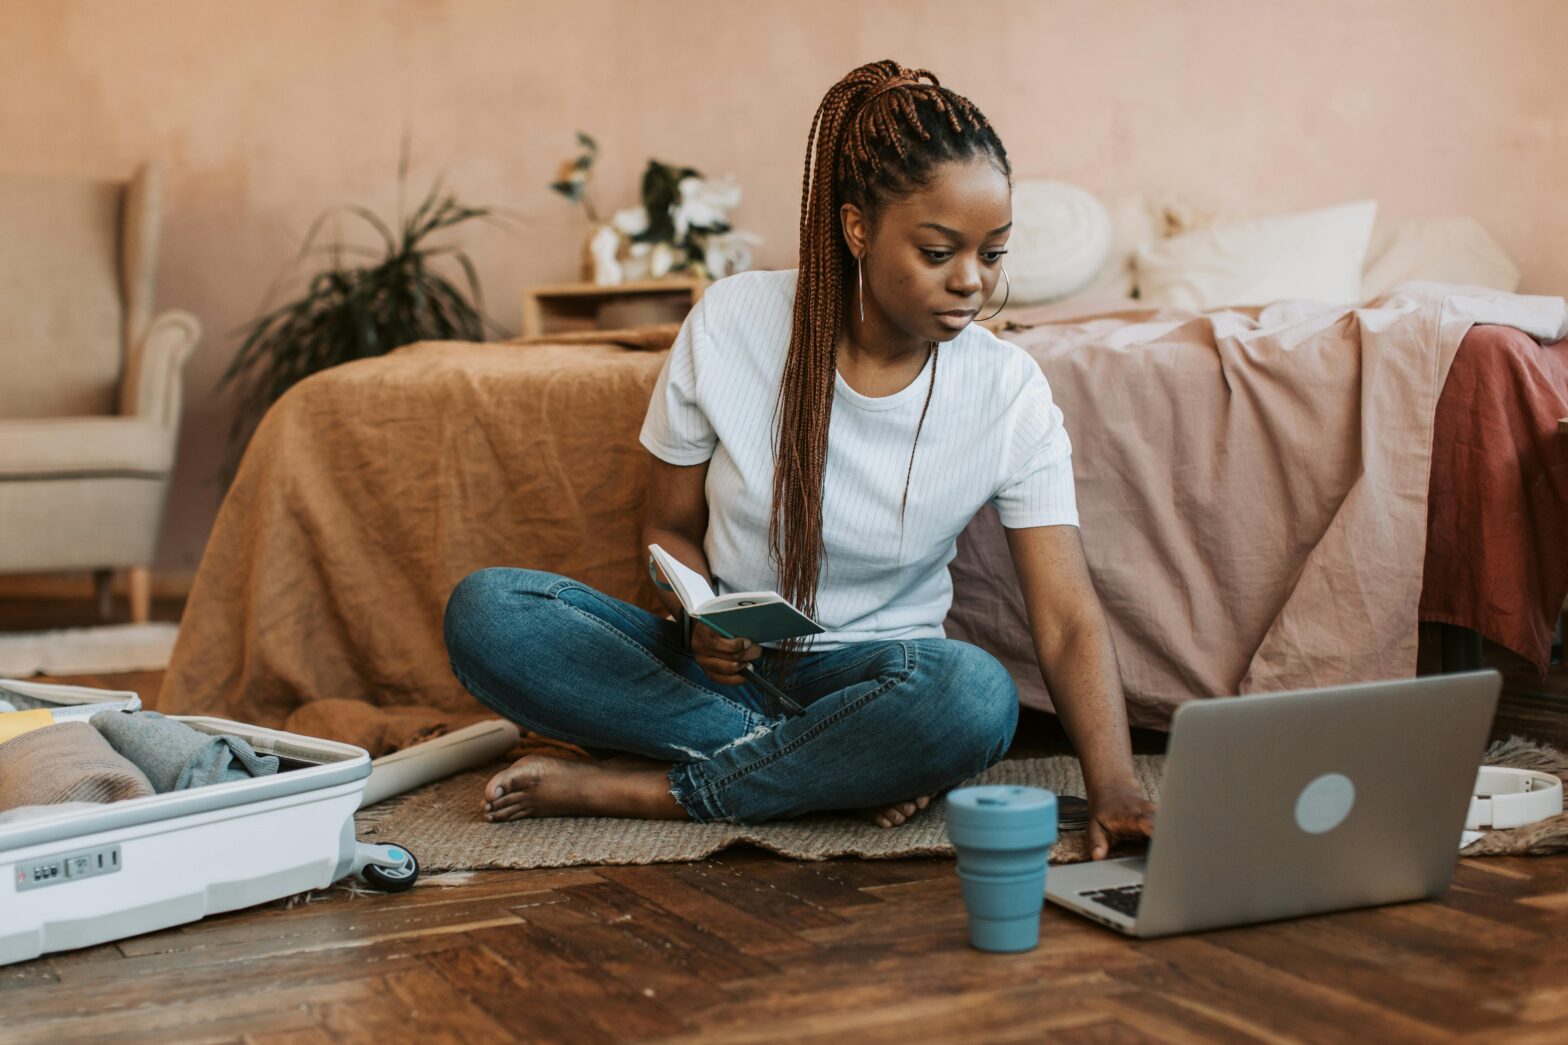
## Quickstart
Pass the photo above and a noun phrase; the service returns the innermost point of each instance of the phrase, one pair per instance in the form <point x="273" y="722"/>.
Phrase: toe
<point x="511" y="801"/>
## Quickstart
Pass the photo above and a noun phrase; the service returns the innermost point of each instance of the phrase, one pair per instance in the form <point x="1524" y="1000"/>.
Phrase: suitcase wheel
<point x="390" y="877"/>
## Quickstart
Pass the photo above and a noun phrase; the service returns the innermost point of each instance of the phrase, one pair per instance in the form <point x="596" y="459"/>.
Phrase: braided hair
<point x="880" y="133"/>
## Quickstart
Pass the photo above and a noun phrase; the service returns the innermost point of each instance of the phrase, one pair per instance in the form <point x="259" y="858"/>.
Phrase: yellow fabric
<point x="15" y="723"/>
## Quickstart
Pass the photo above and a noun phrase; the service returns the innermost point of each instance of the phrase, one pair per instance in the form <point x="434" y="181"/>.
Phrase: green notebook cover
<point x="763" y="622"/>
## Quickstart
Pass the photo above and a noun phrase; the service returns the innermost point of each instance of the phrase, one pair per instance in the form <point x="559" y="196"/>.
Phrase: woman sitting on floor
<point x="803" y="440"/>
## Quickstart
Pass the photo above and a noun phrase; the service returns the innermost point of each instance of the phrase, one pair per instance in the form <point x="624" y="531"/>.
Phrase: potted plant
<point x="396" y="297"/>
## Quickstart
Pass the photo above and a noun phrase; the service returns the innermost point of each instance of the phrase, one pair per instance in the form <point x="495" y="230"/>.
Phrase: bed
<point x="371" y="489"/>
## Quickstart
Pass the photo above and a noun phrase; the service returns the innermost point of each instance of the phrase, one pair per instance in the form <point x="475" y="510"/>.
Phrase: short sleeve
<point x="676" y="429"/>
<point x="1037" y="489"/>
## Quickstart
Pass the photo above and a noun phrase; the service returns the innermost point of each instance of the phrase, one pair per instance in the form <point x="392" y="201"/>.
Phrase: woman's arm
<point x="1078" y="661"/>
<point x="676" y="519"/>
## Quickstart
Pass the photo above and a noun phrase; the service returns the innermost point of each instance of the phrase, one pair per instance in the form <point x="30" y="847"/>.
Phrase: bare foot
<point x="897" y="813"/>
<point x="537" y="785"/>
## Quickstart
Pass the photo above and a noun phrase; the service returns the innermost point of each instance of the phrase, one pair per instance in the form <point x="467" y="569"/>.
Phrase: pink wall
<point x="265" y="112"/>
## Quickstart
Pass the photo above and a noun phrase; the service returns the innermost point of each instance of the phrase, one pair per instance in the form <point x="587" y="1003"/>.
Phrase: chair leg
<point x="103" y="593"/>
<point x="141" y="594"/>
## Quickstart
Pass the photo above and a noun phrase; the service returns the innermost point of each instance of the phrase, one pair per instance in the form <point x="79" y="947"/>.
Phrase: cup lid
<point x="1001" y="805"/>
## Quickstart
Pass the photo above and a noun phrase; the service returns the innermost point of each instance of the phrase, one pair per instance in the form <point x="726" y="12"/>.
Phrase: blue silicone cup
<point x="1003" y="835"/>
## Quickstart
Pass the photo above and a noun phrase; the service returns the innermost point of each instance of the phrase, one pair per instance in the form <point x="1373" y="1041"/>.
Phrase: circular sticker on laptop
<point x="1324" y="803"/>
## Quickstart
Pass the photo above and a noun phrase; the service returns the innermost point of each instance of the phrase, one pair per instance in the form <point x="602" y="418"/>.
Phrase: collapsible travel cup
<point x="1003" y="835"/>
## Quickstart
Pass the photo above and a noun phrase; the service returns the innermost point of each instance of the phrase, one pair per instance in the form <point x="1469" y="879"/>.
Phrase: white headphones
<point x="1513" y="798"/>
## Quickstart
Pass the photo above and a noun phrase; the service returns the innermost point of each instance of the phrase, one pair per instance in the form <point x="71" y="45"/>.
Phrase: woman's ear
<point x="857" y="231"/>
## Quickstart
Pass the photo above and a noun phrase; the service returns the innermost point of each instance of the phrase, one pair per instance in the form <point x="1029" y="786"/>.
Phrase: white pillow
<point x="1060" y="239"/>
<point x="1316" y="255"/>
<point x="1136" y="218"/>
<point x="1439" y="250"/>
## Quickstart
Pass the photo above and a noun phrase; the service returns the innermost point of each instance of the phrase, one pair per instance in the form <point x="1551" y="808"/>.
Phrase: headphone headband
<point x="1513" y="798"/>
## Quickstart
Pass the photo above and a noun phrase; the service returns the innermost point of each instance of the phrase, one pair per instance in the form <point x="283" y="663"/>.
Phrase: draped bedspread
<point x="1253" y="486"/>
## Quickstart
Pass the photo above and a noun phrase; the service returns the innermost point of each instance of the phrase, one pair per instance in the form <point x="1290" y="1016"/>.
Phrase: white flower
<point x="632" y="220"/>
<point x="604" y="246"/>
<point x="726" y="253"/>
<point x="704" y="203"/>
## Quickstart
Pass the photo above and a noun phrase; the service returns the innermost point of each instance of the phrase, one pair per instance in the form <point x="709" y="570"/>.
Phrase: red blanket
<point x="1497" y="509"/>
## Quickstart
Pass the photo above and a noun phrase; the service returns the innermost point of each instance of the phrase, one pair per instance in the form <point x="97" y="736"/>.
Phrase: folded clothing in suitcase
<point x="93" y="875"/>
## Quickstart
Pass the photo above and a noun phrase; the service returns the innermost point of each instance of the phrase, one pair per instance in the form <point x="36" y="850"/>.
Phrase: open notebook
<point x="761" y="616"/>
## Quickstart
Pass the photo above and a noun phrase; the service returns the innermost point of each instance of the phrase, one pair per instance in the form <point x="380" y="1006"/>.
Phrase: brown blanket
<point x="1252" y="486"/>
<point x="370" y="490"/>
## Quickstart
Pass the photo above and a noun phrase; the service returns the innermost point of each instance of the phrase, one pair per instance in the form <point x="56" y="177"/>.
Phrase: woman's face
<point x="935" y="256"/>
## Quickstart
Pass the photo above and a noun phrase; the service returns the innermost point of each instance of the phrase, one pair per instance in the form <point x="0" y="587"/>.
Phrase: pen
<point x="776" y="696"/>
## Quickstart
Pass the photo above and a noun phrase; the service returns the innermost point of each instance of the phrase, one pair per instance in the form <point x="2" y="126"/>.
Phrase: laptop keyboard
<point x="1123" y="899"/>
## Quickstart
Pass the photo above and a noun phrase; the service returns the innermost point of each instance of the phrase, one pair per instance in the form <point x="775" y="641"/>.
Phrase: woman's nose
<point x="966" y="279"/>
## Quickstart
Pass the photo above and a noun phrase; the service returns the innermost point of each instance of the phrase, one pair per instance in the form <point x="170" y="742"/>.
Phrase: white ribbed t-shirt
<point x="991" y="434"/>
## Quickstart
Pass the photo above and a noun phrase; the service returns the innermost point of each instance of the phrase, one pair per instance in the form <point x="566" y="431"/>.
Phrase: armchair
<point x="90" y="380"/>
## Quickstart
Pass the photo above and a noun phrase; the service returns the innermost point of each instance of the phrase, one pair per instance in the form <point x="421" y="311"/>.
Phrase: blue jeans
<point x="885" y="721"/>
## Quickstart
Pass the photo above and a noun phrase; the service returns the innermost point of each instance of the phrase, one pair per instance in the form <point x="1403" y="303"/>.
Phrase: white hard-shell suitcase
<point x="135" y="866"/>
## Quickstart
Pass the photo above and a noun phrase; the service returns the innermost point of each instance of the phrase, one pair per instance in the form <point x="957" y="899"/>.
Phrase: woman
<point x="809" y="434"/>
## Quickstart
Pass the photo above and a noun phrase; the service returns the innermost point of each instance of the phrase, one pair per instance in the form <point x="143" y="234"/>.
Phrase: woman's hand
<point x="719" y="657"/>
<point x="1117" y="813"/>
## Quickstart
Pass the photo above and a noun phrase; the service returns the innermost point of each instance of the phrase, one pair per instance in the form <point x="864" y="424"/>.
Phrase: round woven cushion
<point x="1061" y="238"/>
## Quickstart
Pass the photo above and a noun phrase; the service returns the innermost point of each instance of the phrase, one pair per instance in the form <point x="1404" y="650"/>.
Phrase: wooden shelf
<point x="563" y="307"/>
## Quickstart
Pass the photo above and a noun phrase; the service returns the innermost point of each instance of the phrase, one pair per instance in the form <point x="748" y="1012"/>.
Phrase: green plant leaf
<point x="396" y="297"/>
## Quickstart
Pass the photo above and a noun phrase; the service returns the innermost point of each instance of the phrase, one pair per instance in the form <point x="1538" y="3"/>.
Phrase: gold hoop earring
<point x="1007" y="293"/>
<point x="860" y="288"/>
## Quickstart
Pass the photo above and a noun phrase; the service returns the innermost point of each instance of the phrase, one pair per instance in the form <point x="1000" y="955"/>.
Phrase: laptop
<point x="1279" y="805"/>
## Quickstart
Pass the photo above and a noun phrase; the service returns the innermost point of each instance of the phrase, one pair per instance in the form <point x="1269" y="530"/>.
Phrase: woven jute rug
<point x="442" y="826"/>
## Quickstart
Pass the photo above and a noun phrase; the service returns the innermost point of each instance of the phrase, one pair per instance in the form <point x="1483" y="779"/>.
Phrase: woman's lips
<point x="955" y="320"/>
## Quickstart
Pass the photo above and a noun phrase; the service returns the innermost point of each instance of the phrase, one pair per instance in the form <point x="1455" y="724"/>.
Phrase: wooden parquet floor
<point x="748" y="947"/>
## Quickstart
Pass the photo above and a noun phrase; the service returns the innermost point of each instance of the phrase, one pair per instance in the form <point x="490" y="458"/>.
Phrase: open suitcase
<point x="135" y="866"/>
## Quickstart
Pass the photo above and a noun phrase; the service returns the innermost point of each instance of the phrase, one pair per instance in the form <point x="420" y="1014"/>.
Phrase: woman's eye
<point x="991" y="257"/>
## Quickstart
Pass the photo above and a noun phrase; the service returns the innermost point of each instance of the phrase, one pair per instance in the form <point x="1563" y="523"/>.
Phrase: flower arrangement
<point x="681" y="226"/>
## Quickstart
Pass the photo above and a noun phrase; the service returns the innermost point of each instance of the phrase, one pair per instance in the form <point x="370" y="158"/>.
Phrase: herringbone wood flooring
<point x="749" y="947"/>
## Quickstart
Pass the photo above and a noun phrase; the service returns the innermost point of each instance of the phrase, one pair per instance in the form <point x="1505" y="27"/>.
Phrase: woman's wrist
<point x="1114" y="786"/>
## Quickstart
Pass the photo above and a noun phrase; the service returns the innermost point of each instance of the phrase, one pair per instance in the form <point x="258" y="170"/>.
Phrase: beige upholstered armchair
<point x="89" y="379"/>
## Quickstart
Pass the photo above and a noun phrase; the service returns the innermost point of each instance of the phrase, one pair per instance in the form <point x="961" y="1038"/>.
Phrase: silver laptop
<point x="1285" y="804"/>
